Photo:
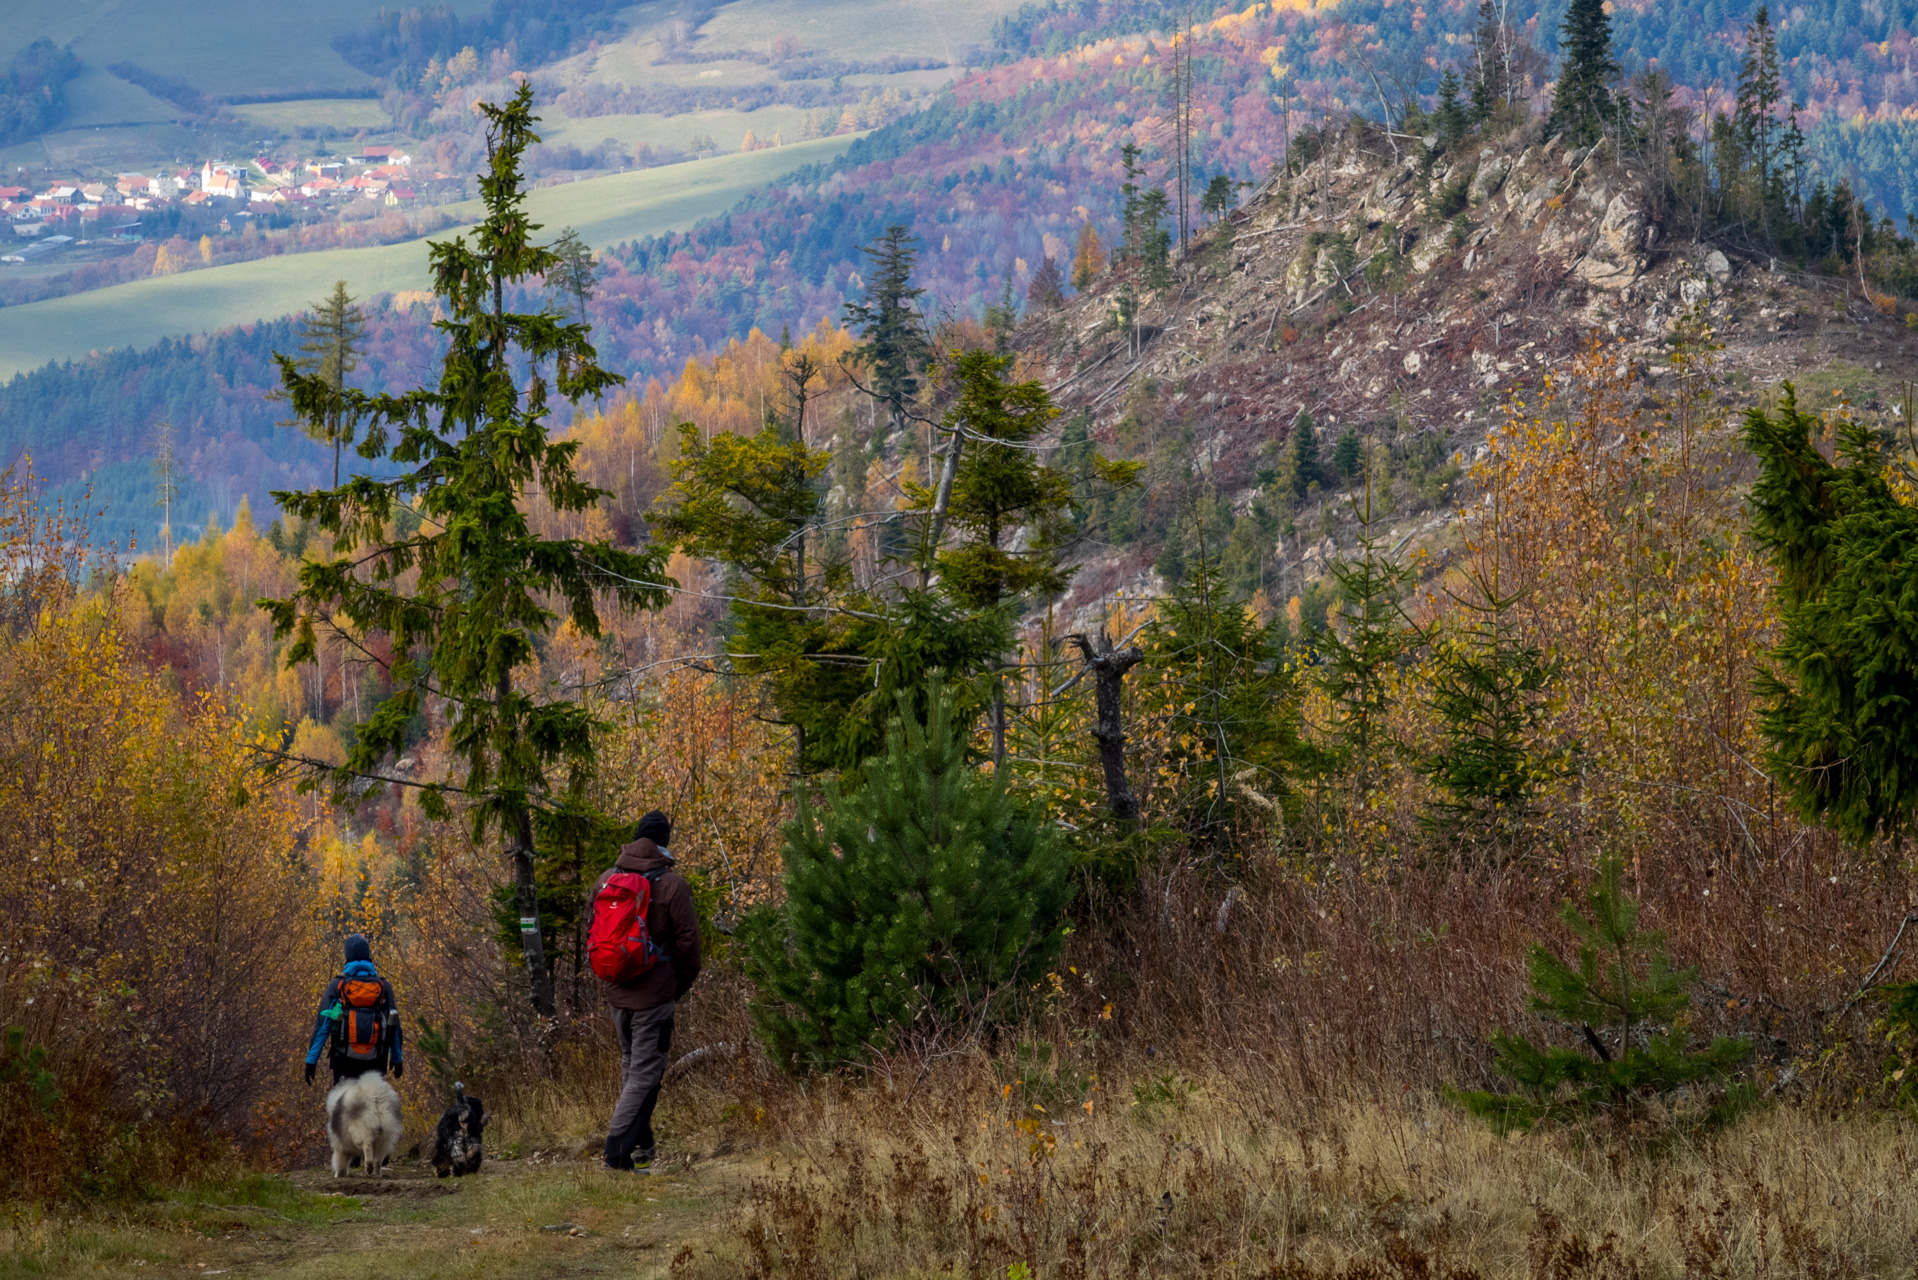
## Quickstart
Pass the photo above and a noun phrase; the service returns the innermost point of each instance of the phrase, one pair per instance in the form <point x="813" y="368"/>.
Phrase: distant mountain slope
<point x="92" y="416"/>
<point x="1007" y="167"/>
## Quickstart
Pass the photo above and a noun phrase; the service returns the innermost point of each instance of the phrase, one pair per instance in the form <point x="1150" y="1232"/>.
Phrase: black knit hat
<point x="358" y="948"/>
<point x="656" y="827"/>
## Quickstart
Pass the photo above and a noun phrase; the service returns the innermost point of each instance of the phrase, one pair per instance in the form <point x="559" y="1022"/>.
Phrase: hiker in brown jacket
<point x="643" y="1008"/>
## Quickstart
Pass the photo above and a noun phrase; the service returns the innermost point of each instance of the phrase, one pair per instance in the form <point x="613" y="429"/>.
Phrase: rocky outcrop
<point x="1617" y="257"/>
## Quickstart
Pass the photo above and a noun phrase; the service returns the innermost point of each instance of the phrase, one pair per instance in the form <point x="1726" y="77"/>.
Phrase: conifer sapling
<point x="921" y="899"/>
<point x="1626" y="1004"/>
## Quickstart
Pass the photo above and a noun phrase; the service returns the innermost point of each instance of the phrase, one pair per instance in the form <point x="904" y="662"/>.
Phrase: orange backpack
<point x="360" y="1034"/>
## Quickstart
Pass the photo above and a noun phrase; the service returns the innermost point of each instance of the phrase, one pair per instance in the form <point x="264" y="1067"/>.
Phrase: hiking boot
<point x="643" y="1162"/>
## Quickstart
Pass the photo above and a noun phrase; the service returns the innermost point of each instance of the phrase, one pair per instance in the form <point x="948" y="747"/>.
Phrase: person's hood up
<point x="643" y="855"/>
<point x="358" y="948"/>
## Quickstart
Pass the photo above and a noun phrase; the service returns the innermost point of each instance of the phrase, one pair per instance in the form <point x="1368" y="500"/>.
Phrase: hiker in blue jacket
<point x="358" y="1018"/>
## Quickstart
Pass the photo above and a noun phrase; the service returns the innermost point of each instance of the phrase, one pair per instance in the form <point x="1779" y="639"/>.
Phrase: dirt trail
<point x="525" y="1218"/>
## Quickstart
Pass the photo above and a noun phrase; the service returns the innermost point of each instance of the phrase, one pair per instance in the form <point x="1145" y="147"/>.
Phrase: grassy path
<point x="520" y="1218"/>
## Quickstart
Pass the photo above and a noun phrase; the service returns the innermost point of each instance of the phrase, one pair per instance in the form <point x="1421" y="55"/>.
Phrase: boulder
<point x="1486" y="182"/>
<point x="1298" y="275"/>
<point x="1616" y="258"/>
<point x="1427" y="251"/>
<point x="1718" y="266"/>
<point x="1412" y="363"/>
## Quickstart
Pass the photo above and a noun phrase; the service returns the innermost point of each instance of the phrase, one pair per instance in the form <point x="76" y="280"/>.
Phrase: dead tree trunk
<point x="1108" y="667"/>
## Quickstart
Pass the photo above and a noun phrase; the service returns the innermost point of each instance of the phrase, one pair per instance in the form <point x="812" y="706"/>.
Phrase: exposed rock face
<point x="1430" y="248"/>
<point x="1616" y="258"/>
<point x="1491" y="298"/>
<point x="1489" y="178"/>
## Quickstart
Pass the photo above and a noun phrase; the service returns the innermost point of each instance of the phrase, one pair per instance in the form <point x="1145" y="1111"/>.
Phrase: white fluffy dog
<point x="363" y="1122"/>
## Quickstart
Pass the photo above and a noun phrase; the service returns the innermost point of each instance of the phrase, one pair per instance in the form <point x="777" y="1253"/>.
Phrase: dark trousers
<point x="645" y="1043"/>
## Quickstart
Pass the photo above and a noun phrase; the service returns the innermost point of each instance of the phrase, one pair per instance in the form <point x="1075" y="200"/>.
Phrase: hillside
<point x="995" y="175"/>
<point x="88" y="418"/>
<point x="605" y="210"/>
<point x="1354" y="292"/>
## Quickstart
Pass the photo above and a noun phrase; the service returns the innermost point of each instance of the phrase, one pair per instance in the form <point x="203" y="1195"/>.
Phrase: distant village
<point x="40" y="224"/>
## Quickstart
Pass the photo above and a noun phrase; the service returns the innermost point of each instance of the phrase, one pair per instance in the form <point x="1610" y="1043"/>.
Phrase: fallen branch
<point x="706" y="1052"/>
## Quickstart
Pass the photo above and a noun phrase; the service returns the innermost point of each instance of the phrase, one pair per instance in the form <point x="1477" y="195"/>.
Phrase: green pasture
<point x="859" y="30"/>
<point x="219" y="46"/>
<point x="606" y="210"/>
<point x="334" y="113"/>
<point x="725" y="128"/>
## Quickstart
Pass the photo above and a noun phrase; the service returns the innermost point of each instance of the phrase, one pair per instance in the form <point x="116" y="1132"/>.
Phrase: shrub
<point x="919" y="902"/>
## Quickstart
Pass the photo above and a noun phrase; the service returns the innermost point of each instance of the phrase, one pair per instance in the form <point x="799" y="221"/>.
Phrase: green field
<point x="859" y="30"/>
<point x="334" y="113"/>
<point x="725" y="128"/>
<point x="219" y="46"/>
<point x="605" y="210"/>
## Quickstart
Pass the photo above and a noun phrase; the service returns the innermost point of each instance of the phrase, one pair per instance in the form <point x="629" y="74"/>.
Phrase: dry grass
<point x="1228" y="1177"/>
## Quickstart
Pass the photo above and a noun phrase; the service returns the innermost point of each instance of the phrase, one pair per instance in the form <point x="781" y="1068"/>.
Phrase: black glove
<point x="399" y="1069"/>
<point x="310" y="1067"/>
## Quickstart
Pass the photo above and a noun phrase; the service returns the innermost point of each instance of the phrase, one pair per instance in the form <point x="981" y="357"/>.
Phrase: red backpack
<point x="620" y="946"/>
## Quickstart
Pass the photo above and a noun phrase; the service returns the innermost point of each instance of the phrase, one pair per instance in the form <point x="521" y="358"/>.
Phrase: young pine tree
<point x="465" y="595"/>
<point x="1583" y="105"/>
<point x="1839" y="719"/>
<point x="921" y="900"/>
<point x="1622" y="989"/>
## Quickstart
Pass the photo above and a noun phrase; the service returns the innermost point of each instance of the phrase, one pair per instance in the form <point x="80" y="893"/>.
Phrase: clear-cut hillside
<point x="1408" y="297"/>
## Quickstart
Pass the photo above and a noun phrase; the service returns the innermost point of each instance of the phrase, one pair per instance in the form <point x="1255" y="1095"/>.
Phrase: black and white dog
<point x="456" y="1143"/>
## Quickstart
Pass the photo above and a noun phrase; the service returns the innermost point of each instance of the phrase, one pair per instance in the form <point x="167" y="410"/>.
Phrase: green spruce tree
<point x="1299" y="465"/>
<point x="1228" y="704"/>
<point x="1844" y="740"/>
<point x="1348" y="455"/>
<point x="1583" y="103"/>
<point x="1626" y="1004"/>
<point x="1488" y="694"/>
<point x="921" y="900"/>
<point x="893" y="342"/>
<point x="1358" y="656"/>
<point x="332" y="339"/>
<point x="1452" y="118"/>
<point x="1002" y="487"/>
<point x="1148" y="244"/>
<point x="465" y="595"/>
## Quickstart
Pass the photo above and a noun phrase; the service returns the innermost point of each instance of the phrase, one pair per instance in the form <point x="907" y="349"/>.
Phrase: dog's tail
<point x="459" y="1091"/>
